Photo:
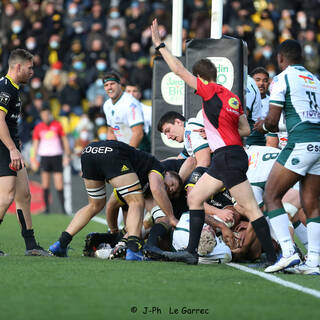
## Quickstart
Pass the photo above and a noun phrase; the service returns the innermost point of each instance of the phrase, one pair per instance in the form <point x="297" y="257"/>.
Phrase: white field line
<point x="266" y="276"/>
<point x="99" y="220"/>
<point x="277" y="280"/>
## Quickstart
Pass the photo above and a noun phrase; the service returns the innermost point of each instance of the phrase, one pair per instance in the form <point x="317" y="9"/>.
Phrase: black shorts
<point x="5" y="161"/>
<point x="100" y="164"/>
<point x="229" y="164"/>
<point x="51" y="164"/>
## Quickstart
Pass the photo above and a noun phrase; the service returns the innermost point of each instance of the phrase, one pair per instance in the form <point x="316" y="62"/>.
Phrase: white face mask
<point x="72" y="11"/>
<point x="30" y="45"/>
<point x="99" y="121"/>
<point x="35" y="84"/>
<point x="16" y="29"/>
<point x="54" y="44"/>
<point x="102" y="136"/>
<point x="78" y="29"/>
<point x="84" y="135"/>
<point x="99" y="82"/>
<point x="101" y="66"/>
<point x="114" y="14"/>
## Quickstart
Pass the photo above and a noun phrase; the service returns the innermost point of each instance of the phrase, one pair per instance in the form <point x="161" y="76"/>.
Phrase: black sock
<point x="196" y="224"/>
<point x="61" y="199"/>
<point x="28" y="236"/>
<point x="262" y="231"/>
<point x="65" y="239"/>
<point x="134" y="243"/>
<point x="46" y="193"/>
<point x="1" y="221"/>
<point x="157" y="232"/>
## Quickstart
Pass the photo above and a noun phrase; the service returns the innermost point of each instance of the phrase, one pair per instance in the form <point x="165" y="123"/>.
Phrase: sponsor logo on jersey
<point x="295" y="161"/>
<point x="124" y="168"/>
<point x="307" y="79"/>
<point x="4" y="98"/>
<point x="234" y="103"/>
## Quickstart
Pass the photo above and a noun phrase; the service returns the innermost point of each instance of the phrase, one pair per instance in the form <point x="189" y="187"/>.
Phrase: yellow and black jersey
<point x="10" y="103"/>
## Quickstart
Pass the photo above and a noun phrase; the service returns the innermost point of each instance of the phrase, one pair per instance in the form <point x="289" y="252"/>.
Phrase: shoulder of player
<point x="6" y="86"/>
<point x="194" y="122"/>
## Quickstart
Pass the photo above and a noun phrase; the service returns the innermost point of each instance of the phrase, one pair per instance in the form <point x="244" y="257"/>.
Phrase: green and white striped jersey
<point x="297" y="91"/>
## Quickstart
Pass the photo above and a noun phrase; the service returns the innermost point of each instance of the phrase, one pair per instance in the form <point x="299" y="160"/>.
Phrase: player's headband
<point x="111" y="79"/>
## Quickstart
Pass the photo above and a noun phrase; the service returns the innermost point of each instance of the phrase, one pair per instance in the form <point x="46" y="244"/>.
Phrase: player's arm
<point x="15" y="156"/>
<point x="160" y="195"/>
<point x="243" y="126"/>
<point x="187" y="167"/>
<point x="137" y="135"/>
<point x="270" y="123"/>
<point x="174" y="63"/>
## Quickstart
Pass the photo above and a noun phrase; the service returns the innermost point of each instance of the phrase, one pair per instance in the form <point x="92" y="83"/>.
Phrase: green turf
<point x="85" y="288"/>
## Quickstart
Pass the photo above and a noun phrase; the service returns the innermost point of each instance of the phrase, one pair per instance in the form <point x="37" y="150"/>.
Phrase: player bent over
<point x="127" y="170"/>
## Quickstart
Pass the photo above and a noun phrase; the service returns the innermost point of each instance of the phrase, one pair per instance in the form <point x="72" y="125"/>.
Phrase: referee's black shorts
<point x="229" y="164"/>
<point x="51" y="163"/>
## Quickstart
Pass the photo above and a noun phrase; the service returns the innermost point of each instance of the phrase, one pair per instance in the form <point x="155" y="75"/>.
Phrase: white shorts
<point x="301" y="158"/>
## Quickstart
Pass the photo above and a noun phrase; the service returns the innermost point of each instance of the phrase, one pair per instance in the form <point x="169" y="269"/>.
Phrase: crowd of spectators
<point x="76" y="41"/>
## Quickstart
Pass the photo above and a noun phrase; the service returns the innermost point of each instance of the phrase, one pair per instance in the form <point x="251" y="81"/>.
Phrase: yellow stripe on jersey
<point x="12" y="82"/>
<point x="4" y="109"/>
<point x="159" y="173"/>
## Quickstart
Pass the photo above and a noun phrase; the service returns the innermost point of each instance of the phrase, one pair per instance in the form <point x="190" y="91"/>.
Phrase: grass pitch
<point x="77" y="287"/>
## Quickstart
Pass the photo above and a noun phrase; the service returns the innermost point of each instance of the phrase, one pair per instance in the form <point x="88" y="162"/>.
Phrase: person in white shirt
<point x="123" y="113"/>
<point x="135" y="91"/>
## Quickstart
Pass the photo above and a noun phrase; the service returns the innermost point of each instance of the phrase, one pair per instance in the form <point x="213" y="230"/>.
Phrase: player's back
<point x="261" y="160"/>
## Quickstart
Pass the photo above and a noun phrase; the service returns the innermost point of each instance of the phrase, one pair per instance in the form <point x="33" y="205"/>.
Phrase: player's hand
<point x="258" y="126"/>
<point x="202" y="133"/>
<point x="242" y="225"/>
<point x="17" y="162"/>
<point x="173" y="221"/>
<point x="226" y="215"/>
<point x="155" y="33"/>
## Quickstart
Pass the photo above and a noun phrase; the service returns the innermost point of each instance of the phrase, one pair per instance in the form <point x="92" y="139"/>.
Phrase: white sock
<point x="280" y="226"/>
<point x="313" y="229"/>
<point x="301" y="232"/>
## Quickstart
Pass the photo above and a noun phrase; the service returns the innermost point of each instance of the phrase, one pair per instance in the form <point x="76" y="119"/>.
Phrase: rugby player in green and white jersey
<point x="296" y="92"/>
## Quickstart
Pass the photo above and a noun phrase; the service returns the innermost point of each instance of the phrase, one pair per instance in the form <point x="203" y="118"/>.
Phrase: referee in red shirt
<point x="225" y="124"/>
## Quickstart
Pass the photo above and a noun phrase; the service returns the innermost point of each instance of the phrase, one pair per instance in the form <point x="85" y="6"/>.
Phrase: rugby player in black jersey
<point x="13" y="175"/>
<point x="128" y="170"/>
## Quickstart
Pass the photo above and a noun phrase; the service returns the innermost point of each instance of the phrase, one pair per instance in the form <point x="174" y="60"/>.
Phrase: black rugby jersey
<point x="142" y="162"/>
<point x="10" y="103"/>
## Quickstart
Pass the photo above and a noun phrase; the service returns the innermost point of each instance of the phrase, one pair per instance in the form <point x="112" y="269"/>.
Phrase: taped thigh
<point x="134" y="188"/>
<point x="97" y="193"/>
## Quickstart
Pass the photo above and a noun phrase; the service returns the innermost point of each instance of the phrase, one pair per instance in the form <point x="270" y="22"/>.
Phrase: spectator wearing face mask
<point x="16" y="33"/>
<point x="36" y="86"/>
<point x="100" y="65"/>
<point x="72" y="15"/>
<point x="8" y="15"/>
<point x="54" y="51"/>
<point x="114" y="19"/>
